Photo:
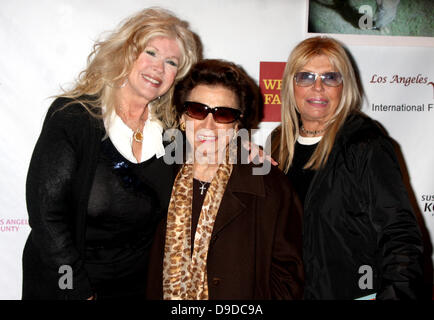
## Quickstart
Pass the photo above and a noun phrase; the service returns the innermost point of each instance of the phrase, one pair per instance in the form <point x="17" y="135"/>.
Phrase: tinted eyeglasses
<point x="306" y="79"/>
<point x="200" y="111"/>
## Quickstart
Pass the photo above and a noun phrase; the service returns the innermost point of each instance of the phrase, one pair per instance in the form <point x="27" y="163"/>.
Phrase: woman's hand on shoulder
<point x="257" y="151"/>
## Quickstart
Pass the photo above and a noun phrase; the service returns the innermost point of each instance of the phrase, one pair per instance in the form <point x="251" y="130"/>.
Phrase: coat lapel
<point x="241" y="181"/>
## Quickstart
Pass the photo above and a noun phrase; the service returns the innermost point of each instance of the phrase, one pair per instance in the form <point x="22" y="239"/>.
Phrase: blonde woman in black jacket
<point x="360" y="236"/>
<point x="97" y="184"/>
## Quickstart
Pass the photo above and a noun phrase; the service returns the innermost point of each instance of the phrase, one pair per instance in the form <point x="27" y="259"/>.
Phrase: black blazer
<point x="57" y="192"/>
<point x="58" y="187"/>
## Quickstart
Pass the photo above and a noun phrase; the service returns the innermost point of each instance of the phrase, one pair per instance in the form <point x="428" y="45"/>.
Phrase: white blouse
<point x="122" y="138"/>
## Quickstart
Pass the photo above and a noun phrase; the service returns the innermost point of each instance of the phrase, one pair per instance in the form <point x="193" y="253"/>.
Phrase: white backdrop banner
<point x="45" y="45"/>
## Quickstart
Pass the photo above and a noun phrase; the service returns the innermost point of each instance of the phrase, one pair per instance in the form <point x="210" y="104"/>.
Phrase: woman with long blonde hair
<point x="360" y="236"/>
<point x="97" y="184"/>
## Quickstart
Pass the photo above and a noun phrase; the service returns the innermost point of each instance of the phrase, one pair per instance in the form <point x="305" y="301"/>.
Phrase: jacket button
<point x="215" y="281"/>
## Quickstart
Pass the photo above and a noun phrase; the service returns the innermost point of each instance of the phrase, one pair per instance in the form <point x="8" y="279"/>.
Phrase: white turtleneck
<point x="308" y="140"/>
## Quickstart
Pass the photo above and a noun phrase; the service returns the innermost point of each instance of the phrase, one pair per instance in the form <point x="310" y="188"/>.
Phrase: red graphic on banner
<point x="432" y="83"/>
<point x="270" y="82"/>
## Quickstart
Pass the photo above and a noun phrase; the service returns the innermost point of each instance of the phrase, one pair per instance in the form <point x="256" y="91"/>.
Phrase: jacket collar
<point x="357" y="126"/>
<point x="241" y="181"/>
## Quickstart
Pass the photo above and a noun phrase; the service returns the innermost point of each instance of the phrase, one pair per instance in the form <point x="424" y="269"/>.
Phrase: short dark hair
<point x="228" y="75"/>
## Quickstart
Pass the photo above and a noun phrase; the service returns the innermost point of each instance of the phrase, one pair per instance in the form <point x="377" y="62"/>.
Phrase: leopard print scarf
<point x="185" y="274"/>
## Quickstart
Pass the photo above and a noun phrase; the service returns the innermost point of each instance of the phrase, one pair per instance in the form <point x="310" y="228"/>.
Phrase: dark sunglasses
<point x="200" y="111"/>
<point x="306" y="79"/>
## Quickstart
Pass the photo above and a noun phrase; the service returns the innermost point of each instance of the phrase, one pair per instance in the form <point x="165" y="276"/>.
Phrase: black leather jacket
<point x="358" y="221"/>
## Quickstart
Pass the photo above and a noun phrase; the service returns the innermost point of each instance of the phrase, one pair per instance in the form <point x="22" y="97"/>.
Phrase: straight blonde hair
<point x="350" y="100"/>
<point x="111" y="60"/>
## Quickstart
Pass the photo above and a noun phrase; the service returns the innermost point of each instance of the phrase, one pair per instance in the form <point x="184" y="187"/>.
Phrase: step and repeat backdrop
<point x="45" y="45"/>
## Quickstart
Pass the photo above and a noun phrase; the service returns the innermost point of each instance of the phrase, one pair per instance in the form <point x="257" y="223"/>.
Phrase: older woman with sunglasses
<point x="360" y="236"/>
<point x="229" y="234"/>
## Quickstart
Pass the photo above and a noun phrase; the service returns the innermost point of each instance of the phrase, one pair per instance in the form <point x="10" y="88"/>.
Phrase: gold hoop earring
<point x="182" y="126"/>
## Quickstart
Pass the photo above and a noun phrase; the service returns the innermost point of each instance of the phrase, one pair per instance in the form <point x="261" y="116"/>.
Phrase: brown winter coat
<point x="255" y="249"/>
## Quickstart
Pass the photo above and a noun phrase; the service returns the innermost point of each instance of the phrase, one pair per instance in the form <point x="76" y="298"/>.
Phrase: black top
<point x="199" y="194"/>
<point x="123" y="212"/>
<point x="301" y="178"/>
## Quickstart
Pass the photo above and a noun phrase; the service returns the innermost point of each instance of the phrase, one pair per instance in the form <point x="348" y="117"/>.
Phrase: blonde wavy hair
<point x="111" y="60"/>
<point x="287" y="133"/>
